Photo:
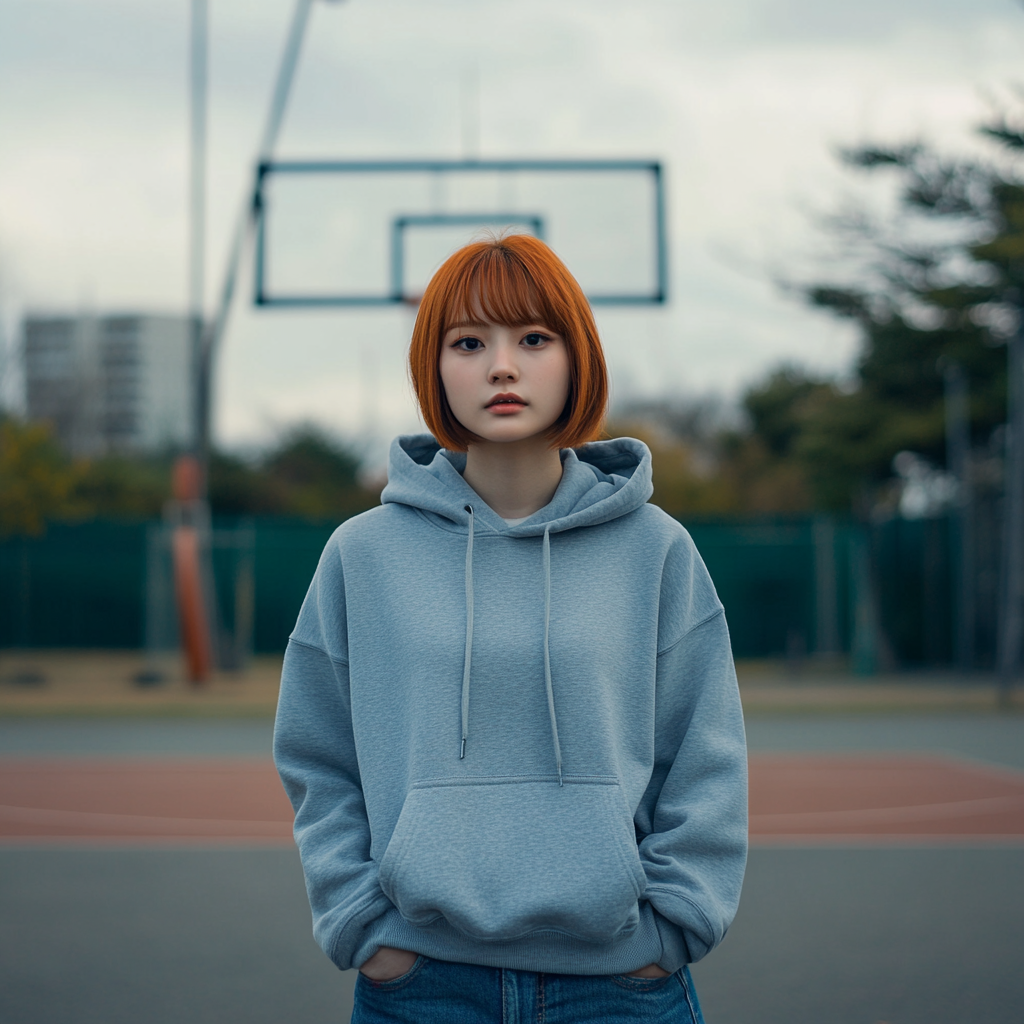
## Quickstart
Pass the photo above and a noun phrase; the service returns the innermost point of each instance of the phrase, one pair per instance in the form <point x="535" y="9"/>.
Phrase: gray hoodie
<point x="515" y="746"/>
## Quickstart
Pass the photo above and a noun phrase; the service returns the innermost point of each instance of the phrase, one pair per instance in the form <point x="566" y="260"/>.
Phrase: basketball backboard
<point x="371" y="233"/>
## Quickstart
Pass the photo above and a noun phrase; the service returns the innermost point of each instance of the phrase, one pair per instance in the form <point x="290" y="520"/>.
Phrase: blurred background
<point x="828" y="366"/>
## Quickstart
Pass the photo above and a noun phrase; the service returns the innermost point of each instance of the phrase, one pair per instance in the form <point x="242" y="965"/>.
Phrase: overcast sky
<point x="745" y="101"/>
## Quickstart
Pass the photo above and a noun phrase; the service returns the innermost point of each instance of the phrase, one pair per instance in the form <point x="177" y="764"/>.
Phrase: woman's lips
<point x="504" y="404"/>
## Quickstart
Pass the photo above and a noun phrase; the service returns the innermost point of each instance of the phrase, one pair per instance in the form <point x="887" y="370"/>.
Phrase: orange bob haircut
<point x="511" y="281"/>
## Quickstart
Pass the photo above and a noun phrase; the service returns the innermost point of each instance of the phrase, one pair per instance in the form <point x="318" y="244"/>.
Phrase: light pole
<point x="213" y="331"/>
<point x="198" y="64"/>
<point x="189" y="513"/>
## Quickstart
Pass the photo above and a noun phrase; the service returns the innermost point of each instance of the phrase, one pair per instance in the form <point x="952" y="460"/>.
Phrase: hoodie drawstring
<point x="547" y="659"/>
<point x="469" y="634"/>
<point x="469" y="643"/>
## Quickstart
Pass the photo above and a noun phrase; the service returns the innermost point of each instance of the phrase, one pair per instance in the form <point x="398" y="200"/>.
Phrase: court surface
<point x="146" y="873"/>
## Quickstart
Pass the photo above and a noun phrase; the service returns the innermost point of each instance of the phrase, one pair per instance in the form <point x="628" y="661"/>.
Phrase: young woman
<point x="509" y="722"/>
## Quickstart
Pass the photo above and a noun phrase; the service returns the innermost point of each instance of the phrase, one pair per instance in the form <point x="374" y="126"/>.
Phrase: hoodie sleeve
<point x="693" y="817"/>
<point x="315" y="753"/>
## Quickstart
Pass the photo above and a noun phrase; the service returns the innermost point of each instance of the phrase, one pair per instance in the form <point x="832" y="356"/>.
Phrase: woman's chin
<point x="508" y="433"/>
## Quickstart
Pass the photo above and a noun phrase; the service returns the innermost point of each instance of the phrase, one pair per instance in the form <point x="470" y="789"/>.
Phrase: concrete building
<point x="111" y="383"/>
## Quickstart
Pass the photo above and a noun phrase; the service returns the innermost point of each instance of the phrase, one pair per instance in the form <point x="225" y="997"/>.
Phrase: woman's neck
<point x="515" y="478"/>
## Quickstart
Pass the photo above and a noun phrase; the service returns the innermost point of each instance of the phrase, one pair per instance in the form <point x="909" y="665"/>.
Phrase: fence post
<point x="161" y="622"/>
<point x="864" y="647"/>
<point x="826" y="604"/>
<point x="1011" y="619"/>
<point x="958" y="464"/>
<point x="25" y="586"/>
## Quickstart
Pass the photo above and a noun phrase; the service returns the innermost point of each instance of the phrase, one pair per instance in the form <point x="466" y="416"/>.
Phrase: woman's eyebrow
<point x="466" y="323"/>
<point x="480" y="325"/>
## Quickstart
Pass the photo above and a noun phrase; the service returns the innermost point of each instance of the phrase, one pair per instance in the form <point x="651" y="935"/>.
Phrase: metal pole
<point x="244" y="224"/>
<point x="283" y="84"/>
<point x="826" y="611"/>
<point x="865" y="641"/>
<point x="198" y="61"/>
<point x="1011" y="625"/>
<point x="958" y="454"/>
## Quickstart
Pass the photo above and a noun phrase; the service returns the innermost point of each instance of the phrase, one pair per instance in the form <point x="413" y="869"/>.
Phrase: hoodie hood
<point x="600" y="482"/>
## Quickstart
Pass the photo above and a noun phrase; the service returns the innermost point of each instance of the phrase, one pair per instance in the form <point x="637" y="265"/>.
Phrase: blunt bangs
<point x="512" y="281"/>
<point x="498" y="289"/>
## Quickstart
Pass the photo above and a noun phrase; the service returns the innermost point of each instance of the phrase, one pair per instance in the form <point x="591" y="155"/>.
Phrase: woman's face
<point x="505" y="383"/>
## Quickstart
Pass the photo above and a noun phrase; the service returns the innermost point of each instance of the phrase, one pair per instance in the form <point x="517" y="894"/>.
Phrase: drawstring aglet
<point x="462" y="751"/>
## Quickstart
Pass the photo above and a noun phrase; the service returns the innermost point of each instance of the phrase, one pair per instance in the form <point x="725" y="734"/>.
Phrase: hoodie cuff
<point x="674" y="952"/>
<point x="356" y="942"/>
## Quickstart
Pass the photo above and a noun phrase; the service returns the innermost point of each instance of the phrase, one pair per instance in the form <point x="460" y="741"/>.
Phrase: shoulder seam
<point x="707" y="618"/>
<point x="318" y="650"/>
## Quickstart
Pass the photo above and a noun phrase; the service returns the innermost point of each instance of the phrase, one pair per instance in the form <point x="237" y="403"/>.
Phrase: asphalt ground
<point x="923" y="930"/>
<point x="991" y="738"/>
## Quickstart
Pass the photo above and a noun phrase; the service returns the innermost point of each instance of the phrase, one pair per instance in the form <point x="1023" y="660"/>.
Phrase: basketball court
<point x="805" y="799"/>
<point x="144" y="875"/>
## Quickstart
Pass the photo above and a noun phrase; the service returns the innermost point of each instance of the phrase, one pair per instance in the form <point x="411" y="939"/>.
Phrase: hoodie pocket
<point x="500" y="859"/>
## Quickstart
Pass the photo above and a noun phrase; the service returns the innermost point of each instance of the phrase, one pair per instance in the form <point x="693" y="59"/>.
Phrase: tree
<point x="708" y="464"/>
<point x="937" y="278"/>
<point x="307" y="473"/>
<point x="941" y="281"/>
<point x="121" y="487"/>
<point x="36" y="478"/>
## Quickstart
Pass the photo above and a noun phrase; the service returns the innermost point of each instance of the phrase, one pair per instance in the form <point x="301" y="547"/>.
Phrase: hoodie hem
<point x="548" y="952"/>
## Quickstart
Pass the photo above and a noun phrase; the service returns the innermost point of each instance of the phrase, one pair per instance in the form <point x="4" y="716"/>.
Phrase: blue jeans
<point x="436" y="992"/>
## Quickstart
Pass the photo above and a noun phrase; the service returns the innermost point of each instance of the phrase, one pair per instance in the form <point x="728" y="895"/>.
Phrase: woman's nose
<point x="504" y="364"/>
<point x="503" y="371"/>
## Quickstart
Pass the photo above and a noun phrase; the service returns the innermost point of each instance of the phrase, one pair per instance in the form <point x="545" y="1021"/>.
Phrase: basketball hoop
<point x="372" y="232"/>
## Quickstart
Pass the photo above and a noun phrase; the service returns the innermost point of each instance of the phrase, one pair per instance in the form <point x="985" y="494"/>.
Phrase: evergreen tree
<point x="945" y="282"/>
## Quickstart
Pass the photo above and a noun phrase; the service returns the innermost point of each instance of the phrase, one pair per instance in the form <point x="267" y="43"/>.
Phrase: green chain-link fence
<point x="789" y="586"/>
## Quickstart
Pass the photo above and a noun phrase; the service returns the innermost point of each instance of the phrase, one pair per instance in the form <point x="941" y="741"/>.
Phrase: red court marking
<point x="153" y="800"/>
<point x="882" y="799"/>
<point x="793" y="799"/>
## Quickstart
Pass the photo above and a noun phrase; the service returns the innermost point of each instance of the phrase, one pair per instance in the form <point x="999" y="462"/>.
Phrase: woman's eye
<point x="468" y="344"/>
<point x="534" y="340"/>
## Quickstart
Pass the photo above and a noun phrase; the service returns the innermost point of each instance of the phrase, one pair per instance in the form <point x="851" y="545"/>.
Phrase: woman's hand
<point x="387" y="964"/>
<point x="650" y="971"/>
